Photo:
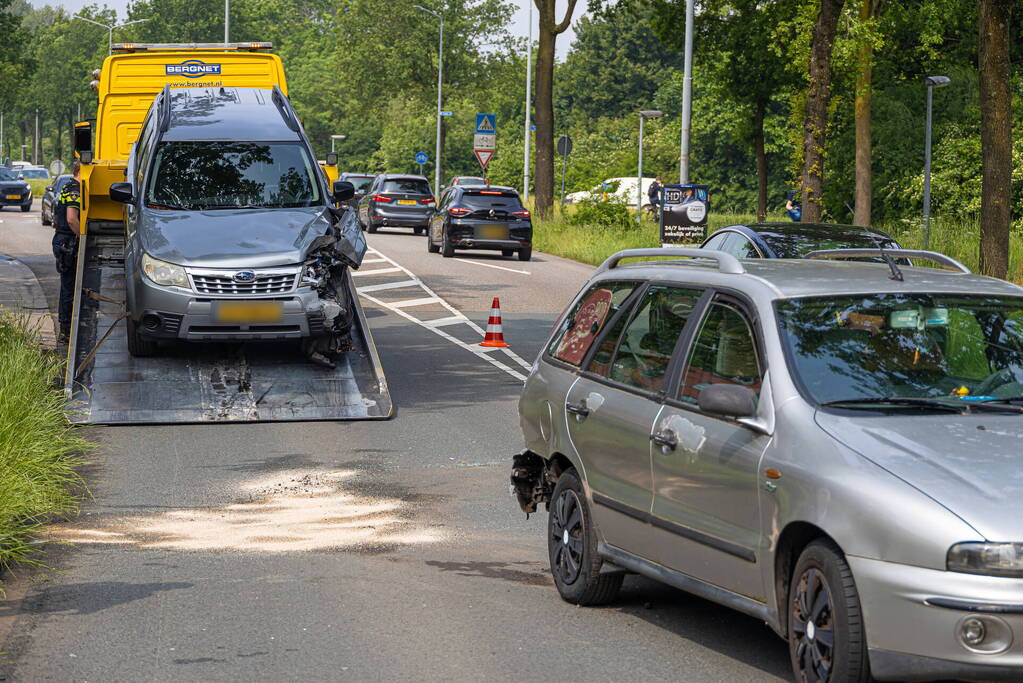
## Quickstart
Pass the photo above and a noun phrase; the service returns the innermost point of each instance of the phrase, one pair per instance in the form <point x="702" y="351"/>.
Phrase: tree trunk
<point x="815" y="121"/>
<point x="758" y="147"/>
<point x="543" y="191"/>
<point x="864" y="84"/>
<point x="995" y="135"/>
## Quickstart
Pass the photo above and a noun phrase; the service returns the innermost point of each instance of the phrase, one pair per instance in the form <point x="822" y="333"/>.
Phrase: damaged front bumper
<point x="532" y="480"/>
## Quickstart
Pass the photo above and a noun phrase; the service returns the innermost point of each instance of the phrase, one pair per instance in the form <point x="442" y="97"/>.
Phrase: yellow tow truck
<point x="198" y="382"/>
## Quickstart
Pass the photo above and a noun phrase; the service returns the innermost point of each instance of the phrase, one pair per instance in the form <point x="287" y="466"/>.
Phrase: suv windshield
<point x="231" y="175"/>
<point x="7" y="174"/>
<point x="406" y="186"/>
<point x="885" y="347"/>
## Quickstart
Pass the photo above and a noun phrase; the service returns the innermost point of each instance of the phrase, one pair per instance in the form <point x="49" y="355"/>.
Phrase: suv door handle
<point x="665" y="440"/>
<point x="579" y="409"/>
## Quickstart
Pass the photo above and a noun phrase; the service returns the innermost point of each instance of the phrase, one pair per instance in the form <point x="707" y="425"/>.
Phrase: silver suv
<point x="833" y="447"/>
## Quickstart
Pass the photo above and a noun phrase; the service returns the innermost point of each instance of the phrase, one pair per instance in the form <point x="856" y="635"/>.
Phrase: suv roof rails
<point x="946" y="262"/>
<point x="726" y="263"/>
<point x="284" y="107"/>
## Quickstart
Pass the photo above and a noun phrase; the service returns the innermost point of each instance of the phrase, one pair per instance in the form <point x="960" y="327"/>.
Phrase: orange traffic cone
<point x="494" y="336"/>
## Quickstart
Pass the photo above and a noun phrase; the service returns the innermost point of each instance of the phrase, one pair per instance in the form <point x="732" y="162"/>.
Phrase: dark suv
<point x="481" y="217"/>
<point x="396" y="200"/>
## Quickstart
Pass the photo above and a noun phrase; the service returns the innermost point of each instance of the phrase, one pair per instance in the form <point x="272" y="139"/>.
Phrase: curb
<point x="21" y="294"/>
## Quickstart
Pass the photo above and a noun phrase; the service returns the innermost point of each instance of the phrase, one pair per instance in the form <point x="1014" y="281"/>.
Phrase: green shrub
<point x="609" y="215"/>
<point x="39" y="449"/>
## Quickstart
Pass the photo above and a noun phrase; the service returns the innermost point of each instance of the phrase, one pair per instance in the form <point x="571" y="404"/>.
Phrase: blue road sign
<point x="421" y="158"/>
<point x="446" y="113"/>
<point x="486" y="123"/>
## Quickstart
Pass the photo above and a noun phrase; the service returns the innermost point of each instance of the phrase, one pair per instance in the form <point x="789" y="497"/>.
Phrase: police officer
<point x="65" y="245"/>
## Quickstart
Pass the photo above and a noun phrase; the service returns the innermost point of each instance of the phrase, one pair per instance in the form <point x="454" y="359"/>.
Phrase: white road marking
<point x="434" y="326"/>
<point x="378" y="271"/>
<point x="373" y="260"/>
<point x="491" y="265"/>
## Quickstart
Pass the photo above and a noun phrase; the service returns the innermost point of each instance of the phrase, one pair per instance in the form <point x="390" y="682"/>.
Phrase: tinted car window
<point x="738" y="246"/>
<point x="583" y="323"/>
<point x="717" y="241"/>
<point x="648" y="342"/>
<point x="723" y="353"/>
<point x="797" y="243"/>
<point x="491" y="199"/>
<point x="360" y="182"/>
<point x="205" y="175"/>
<point x="406" y="186"/>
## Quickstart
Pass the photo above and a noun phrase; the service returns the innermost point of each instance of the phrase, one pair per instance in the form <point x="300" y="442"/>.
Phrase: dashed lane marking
<point x="378" y="271"/>
<point x="492" y="265"/>
<point x="456" y="317"/>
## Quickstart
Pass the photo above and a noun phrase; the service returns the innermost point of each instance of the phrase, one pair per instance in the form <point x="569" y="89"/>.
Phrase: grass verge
<point x="39" y="449"/>
<point x="956" y="237"/>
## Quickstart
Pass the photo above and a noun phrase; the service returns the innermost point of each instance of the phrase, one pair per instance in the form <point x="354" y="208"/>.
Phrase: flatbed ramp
<point x="199" y="383"/>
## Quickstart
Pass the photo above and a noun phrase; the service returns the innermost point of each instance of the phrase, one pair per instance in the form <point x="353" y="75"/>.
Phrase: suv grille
<point x="263" y="284"/>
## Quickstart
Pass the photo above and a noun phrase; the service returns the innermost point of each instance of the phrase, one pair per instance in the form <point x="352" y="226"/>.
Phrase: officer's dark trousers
<point x="65" y="252"/>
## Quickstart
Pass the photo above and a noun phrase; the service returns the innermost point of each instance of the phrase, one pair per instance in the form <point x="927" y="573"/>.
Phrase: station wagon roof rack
<point x="177" y="47"/>
<point x="726" y="263"/>
<point x="946" y="262"/>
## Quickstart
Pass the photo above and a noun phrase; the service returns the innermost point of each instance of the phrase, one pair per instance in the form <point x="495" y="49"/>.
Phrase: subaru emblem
<point x="244" y="276"/>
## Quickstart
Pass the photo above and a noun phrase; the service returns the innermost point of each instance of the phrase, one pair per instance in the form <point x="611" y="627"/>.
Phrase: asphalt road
<point x="349" y="551"/>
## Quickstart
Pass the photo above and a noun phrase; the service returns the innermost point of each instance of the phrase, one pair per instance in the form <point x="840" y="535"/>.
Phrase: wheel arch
<point x="794" y="538"/>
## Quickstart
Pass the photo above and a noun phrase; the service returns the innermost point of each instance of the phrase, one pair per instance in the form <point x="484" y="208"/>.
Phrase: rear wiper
<point x="898" y="401"/>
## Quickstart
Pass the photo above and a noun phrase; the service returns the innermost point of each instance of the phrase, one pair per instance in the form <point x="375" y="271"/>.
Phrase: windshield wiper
<point x="165" y="205"/>
<point x="930" y="403"/>
<point x="940" y="404"/>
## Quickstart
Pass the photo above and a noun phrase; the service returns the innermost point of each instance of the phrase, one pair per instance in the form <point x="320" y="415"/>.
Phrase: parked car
<point x="467" y="180"/>
<point x="793" y="240"/>
<point x="35" y="173"/>
<point x="397" y="200"/>
<point x="14" y="191"/>
<point x="49" y="199"/>
<point x="361" y="183"/>
<point x="481" y="217"/>
<point x="614" y="189"/>
<point x="831" y="447"/>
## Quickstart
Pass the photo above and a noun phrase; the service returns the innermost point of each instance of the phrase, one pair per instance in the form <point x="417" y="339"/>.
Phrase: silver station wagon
<point x="834" y="447"/>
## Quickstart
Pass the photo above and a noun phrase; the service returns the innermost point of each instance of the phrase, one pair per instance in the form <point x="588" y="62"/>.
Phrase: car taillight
<point x="459" y="211"/>
<point x="382" y="199"/>
<point x="427" y="201"/>
<point x="521" y="214"/>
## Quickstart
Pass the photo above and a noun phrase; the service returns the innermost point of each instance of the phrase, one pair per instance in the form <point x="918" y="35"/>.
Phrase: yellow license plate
<point x="14" y="196"/>
<point x="407" y="202"/>
<point x="243" y="312"/>
<point x="493" y="232"/>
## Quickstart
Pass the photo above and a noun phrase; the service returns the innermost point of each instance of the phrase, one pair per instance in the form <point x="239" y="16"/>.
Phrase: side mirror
<point x="343" y="190"/>
<point x="83" y="141"/>
<point x="21" y="176"/>
<point x="49" y="188"/>
<point x="331" y="159"/>
<point x="121" y="192"/>
<point x="728" y="400"/>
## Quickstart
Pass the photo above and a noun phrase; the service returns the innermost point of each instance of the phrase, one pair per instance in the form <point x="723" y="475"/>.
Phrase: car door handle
<point x="579" y="409"/>
<point x="665" y="440"/>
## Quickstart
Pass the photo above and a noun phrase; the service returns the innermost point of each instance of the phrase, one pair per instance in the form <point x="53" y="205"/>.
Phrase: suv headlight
<point x="990" y="559"/>
<point x="163" y="273"/>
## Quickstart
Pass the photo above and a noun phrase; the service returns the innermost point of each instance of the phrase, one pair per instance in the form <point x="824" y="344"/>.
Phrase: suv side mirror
<point x="121" y="192"/>
<point x="728" y="400"/>
<point x="343" y="190"/>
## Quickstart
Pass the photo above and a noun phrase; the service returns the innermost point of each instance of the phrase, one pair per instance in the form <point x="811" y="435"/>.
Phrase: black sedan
<point x="50" y="198"/>
<point x="14" y="191"/>
<point x="481" y="217"/>
<point x="794" y="240"/>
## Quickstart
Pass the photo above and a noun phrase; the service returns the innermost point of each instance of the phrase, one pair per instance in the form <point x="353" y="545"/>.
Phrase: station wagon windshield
<point x="231" y="175"/>
<point x="906" y="349"/>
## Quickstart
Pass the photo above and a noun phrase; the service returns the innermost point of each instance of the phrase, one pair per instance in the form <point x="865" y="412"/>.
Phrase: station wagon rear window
<point x="872" y="347"/>
<point x="407" y="186"/>
<point x="581" y="325"/>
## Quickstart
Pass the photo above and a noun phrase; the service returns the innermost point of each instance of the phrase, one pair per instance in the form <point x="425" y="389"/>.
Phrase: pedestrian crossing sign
<point x="486" y="123"/>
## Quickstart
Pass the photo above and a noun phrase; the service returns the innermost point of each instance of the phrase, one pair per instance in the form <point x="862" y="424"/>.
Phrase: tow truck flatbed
<point x="201" y="383"/>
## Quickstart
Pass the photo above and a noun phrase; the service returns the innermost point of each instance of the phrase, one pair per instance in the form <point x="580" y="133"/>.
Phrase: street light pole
<point x="643" y="115"/>
<point x="227" y="21"/>
<point x="529" y="83"/>
<point x="440" y="81"/>
<point x="110" y="29"/>
<point x="931" y="82"/>
<point x="687" y="96"/>
<point x="333" y="138"/>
